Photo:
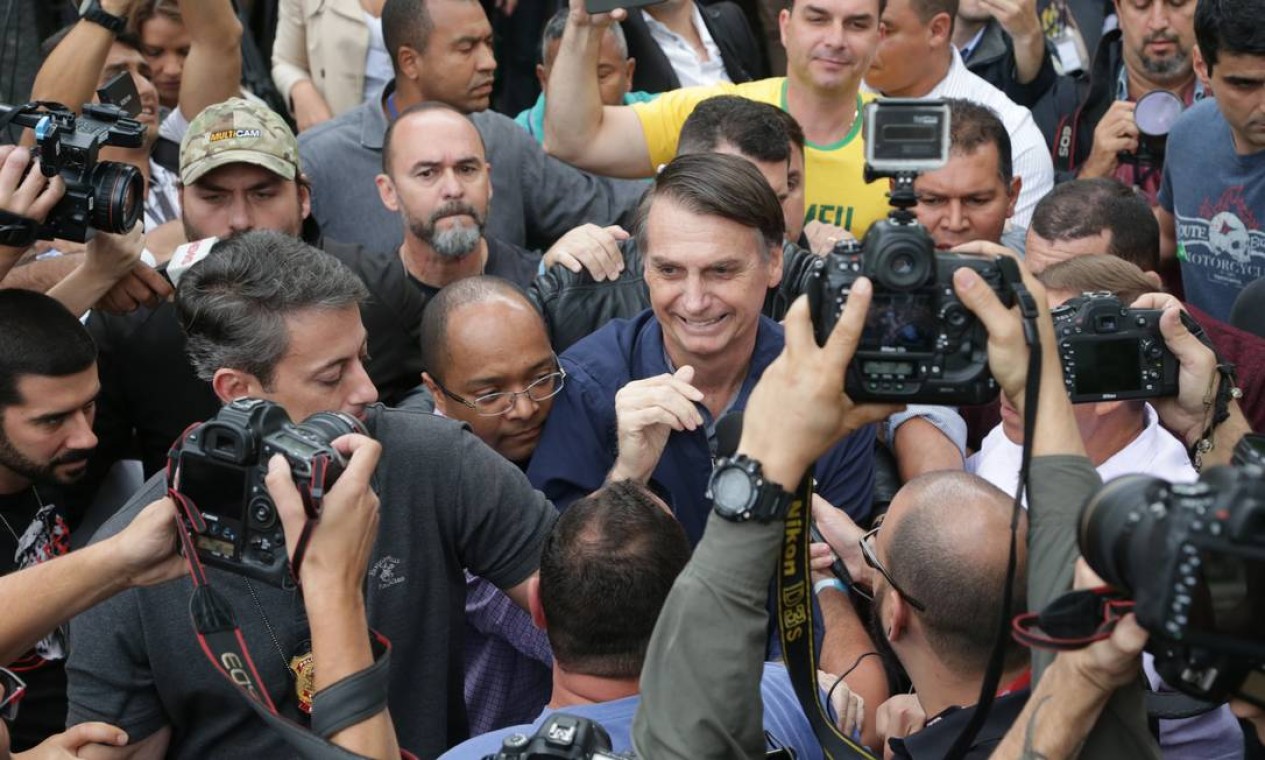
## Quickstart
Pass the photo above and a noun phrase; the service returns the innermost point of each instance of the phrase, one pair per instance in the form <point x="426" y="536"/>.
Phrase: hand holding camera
<point x="1116" y="133"/>
<point x="26" y="197"/>
<point x="341" y="543"/>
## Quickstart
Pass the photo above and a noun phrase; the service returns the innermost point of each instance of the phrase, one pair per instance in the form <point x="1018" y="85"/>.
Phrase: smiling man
<point x="642" y="396"/>
<point x="48" y="391"/>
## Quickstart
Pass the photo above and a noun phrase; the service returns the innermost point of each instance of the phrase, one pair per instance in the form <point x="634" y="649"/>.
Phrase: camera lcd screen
<point x="1232" y="598"/>
<point x="1107" y="366"/>
<point x="215" y="488"/>
<point x="902" y="321"/>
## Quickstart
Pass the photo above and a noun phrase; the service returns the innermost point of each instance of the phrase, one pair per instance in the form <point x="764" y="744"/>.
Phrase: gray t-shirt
<point x="448" y="502"/>
<point x="1217" y="199"/>
<point x="536" y="199"/>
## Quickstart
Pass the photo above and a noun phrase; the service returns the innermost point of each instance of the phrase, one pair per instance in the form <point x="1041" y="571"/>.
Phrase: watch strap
<point x="92" y="11"/>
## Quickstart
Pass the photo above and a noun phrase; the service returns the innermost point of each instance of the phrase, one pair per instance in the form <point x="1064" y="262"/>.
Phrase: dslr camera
<point x="1154" y="116"/>
<point x="560" y="736"/>
<point x="920" y="344"/>
<point x="1110" y="351"/>
<point x="1192" y="557"/>
<point x="220" y="466"/>
<point x="100" y="195"/>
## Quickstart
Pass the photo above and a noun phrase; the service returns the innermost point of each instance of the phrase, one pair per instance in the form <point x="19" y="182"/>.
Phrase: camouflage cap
<point x="238" y="131"/>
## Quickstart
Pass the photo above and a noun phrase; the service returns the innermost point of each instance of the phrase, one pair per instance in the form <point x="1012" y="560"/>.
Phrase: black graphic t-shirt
<point x="42" y="533"/>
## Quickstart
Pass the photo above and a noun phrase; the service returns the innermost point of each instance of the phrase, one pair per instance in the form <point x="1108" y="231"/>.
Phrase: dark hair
<point x="38" y="336"/>
<point x="463" y="292"/>
<point x="126" y="39"/>
<point x="959" y="580"/>
<point x="405" y="22"/>
<point x="716" y="184"/>
<point x="794" y="132"/>
<point x="882" y="6"/>
<point x="413" y="110"/>
<point x="929" y="9"/>
<point x="1085" y="207"/>
<point x="1098" y="271"/>
<point x="148" y="9"/>
<point x="232" y="305"/>
<point x="605" y="572"/>
<point x="754" y="129"/>
<point x="973" y="125"/>
<point x="1231" y="26"/>
<point x="558" y="24"/>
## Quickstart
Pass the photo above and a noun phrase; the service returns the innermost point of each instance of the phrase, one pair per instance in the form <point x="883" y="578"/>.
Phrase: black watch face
<point x="731" y="491"/>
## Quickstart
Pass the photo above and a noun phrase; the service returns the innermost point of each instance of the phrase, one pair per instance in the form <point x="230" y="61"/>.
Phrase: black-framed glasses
<point x="496" y="404"/>
<point x="871" y="559"/>
<point x="14" y="690"/>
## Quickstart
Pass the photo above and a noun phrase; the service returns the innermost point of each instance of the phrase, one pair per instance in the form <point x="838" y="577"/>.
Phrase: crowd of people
<point x="540" y="255"/>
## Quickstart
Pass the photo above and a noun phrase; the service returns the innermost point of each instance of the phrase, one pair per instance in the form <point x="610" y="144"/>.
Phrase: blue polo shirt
<point x="579" y="444"/>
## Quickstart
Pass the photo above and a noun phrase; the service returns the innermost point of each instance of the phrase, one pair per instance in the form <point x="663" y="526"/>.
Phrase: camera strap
<point x="795" y="626"/>
<point x="1072" y="621"/>
<point x="17" y="231"/>
<point x="1029" y="314"/>
<point x="342" y="704"/>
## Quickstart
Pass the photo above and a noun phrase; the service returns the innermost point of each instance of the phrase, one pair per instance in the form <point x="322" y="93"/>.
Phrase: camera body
<point x="560" y="736"/>
<point x="220" y="466"/>
<point x="102" y="195"/>
<point x="1192" y="557"/>
<point x="920" y="343"/>
<point x="1110" y="351"/>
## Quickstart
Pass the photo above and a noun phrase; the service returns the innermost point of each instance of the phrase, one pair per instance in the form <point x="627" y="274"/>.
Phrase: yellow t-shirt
<point x="836" y="193"/>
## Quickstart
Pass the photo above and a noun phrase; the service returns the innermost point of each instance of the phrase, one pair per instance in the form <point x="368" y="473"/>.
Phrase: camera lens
<point x="904" y="263"/>
<point x="1116" y="526"/>
<point x="1156" y="111"/>
<point x="330" y="425"/>
<point x="117" y="195"/>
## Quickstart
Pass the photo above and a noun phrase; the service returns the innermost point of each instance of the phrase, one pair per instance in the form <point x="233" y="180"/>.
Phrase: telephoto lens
<point x="118" y="195"/>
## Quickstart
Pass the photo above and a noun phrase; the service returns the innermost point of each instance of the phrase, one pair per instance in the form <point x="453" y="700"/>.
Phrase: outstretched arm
<point x="213" y="70"/>
<point x="579" y="129"/>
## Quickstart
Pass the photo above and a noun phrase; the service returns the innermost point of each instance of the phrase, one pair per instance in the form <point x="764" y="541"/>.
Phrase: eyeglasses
<point x="496" y="404"/>
<point x="871" y="559"/>
<point x="14" y="690"/>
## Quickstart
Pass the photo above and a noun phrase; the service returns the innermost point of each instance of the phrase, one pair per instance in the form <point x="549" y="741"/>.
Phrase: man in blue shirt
<point x="605" y="572"/>
<point x="711" y="231"/>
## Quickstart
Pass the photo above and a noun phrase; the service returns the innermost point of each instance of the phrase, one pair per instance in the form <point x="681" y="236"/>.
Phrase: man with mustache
<point x="48" y="392"/>
<point x="436" y="176"/>
<point x="1150" y="51"/>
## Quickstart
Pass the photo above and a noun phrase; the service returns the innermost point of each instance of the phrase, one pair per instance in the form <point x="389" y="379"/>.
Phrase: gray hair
<point x="558" y="24"/>
<point x="233" y="304"/>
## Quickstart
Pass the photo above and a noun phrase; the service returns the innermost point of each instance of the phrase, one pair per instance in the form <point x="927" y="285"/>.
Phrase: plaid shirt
<point x="509" y="674"/>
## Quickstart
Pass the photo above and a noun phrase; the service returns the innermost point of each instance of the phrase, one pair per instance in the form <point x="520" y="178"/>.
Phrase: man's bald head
<point x="946" y="541"/>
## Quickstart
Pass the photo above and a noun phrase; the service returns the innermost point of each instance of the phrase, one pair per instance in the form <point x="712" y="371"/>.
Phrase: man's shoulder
<point x="154" y="489"/>
<point x="606" y="357"/>
<point x="394" y="427"/>
<point x="1195" y="123"/>
<point x="343" y="129"/>
<point x="518" y="265"/>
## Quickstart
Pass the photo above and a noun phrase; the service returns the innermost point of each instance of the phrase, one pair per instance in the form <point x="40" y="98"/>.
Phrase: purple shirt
<point x="509" y="666"/>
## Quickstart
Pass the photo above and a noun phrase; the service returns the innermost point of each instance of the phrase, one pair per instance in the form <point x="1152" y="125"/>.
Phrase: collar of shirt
<point x="651" y="359"/>
<point x="1191" y="93"/>
<point x="968" y="49"/>
<point x="690" y="70"/>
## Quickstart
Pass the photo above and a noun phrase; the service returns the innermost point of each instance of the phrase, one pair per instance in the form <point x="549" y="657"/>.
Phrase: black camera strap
<point x="1029" y="313"/>
<point x="795" y="626"/>
<point x="342" y="704"/>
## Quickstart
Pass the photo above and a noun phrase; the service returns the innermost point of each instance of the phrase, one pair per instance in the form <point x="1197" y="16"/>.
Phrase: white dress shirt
<point x="692" y="71"/>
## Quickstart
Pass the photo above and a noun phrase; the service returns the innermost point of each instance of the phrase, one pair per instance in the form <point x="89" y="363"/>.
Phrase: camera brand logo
<point x="237" y="671"/>
<point x="384" y="571"/>
<point x="229" y="134"/>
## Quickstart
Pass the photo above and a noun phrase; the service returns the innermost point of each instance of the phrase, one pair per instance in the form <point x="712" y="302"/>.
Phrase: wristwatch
<point x="740" y="493"/>
<point x="91" y="10"/>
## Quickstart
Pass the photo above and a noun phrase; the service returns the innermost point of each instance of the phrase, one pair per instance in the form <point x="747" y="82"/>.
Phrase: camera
<point x="920" y="343"/>
<point x="1110" y="351"/>
<point x="1192" y="557"/>
<point x="1154" y="115"/>
<point x="220" y="467"/>
<point x="100" y="195"/>
<point x="560" y="736"/>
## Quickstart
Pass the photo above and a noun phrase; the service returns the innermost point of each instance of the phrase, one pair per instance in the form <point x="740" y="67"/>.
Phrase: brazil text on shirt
<point x="834" y="192"/>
